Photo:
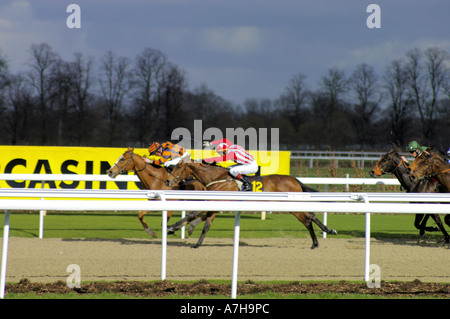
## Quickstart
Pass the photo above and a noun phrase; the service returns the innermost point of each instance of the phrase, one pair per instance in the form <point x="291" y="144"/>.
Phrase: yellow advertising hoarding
<point x="97" y="160"/>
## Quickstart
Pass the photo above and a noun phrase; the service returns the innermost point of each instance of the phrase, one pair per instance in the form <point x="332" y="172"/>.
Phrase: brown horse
<point x="151" y="177"/>
<point x="391" y="162"/>
<point x="431" y="165"/>
<point x="217" y="178"/>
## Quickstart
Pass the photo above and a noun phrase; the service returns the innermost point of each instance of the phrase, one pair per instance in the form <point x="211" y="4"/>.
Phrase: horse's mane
<point x="396" y="147"/>
<point x="395" y="151"/>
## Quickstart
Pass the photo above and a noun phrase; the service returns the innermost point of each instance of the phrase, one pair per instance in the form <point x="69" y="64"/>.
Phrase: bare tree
<point x="148" y="71"/>
<point x="4" y="75"/>
<point x="115" y="83"/>
<point x="364" y="82"/>
<point x="173" y="87"/>
<point x="426" y="79"/>
<point x="396" y="84"/>
<point x="20" y="107"/>
<point x="4" y="79"/>
<point x="82" y="79"/>
<point x="61" y="96"/>
<point x="294" y="99"/>
<point x="41" y="62"/>
<point x="328" y="102"/>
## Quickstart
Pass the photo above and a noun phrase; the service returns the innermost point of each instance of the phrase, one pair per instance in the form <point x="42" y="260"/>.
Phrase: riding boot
<point x="246" y="187"/>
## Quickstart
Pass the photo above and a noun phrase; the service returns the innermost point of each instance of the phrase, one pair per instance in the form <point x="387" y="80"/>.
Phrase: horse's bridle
<point x="122" y="170"/>
<point x="379" y="171"/>
<point x="178" y="178"/>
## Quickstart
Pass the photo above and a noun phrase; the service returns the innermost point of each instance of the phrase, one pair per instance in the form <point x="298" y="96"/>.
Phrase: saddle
<point x="256" y="182"/>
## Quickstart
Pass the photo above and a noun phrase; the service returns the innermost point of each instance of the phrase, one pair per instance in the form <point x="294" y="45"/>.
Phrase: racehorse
<point x="392" y="162"/>
<point x="151" y="177"/>
<point x="431" y="165"/>
<point x="217" y="178"/>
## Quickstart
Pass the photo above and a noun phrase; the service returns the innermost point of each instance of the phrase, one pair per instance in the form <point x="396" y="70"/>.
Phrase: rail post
<point x="183" y="229"/>
<point x="237" y="226"/>
<point x="164" y="239"/>
<point x="367" y="242"/>
<point x="42" y="213"/>
<point x="4" y="254"/>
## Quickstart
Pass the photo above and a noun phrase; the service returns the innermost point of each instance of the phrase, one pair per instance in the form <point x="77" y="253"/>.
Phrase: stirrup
<point x="246" y="187"/>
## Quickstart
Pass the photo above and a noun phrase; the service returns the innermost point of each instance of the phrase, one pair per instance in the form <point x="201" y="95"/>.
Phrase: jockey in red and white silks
<point x="245" y="163"/>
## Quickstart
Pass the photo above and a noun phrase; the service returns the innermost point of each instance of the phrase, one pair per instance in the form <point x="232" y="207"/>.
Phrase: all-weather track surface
<point x="133" y="266"/>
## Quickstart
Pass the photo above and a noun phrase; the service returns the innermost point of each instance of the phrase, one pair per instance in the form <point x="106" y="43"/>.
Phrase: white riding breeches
<point x="244" y="169"/>
<point x="185" y="157"/>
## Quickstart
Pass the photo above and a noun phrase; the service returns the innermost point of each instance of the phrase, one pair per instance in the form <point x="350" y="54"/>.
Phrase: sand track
<point x="46" y="260"/>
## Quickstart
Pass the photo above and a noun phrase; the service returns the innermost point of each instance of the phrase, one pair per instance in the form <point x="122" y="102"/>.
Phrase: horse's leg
<point x="144" y="224"/>
<point x="183" y="222"/>
<point x="209" y="219"/>
<point x="438" y="221"/>
<point x="307" y="221"/>
<point x="447" y="219"/>
<point x="420" y="223"/>
<point x="200" y="220"/>
<point x="322" y="226"/>
<point x="195" y="223"/>
<point x="417" y="223"/>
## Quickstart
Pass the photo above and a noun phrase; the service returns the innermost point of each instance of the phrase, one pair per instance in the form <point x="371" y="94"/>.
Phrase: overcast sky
<point x="239" y="49"/>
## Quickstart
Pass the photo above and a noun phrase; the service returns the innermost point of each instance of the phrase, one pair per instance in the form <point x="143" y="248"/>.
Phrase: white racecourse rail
<point x="72" y="200"/>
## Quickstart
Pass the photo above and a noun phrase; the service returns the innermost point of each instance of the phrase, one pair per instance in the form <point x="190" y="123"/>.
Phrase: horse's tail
<point x="306" y="188"/>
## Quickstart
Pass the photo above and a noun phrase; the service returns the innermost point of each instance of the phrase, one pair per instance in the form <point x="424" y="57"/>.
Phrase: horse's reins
<point x="217" y="182"/>
<point x="177" y="178"/>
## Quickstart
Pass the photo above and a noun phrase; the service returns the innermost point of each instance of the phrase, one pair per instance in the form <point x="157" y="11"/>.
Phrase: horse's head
<point x="420" y="166"/>
<point x="180" y="172"/>
<point x="386" y="164"/>
<point x="123" y="164"/>
<point x="430" y="162"/>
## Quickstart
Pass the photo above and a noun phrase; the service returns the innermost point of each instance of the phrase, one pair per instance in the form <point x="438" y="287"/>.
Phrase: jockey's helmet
<point x="412" y="146"/>
<point x="222" y="148"/>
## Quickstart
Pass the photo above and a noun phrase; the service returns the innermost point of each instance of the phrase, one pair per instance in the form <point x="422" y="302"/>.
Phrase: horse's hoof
<point x="195" y="246"/>
<point x="314" y="246"/>
<point x="151" y="232"/>
<point x="170" y="232"/>
<point x="333" y="232"/>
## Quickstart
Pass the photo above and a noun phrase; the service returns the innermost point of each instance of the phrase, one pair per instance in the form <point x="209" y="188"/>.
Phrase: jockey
<point x="170" y="154"/>
<point x="415" y="149"/>
<point x="245" y="163"/>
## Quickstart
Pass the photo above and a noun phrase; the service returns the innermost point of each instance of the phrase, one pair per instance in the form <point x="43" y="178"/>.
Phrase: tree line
<point x="121" y="101"/>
